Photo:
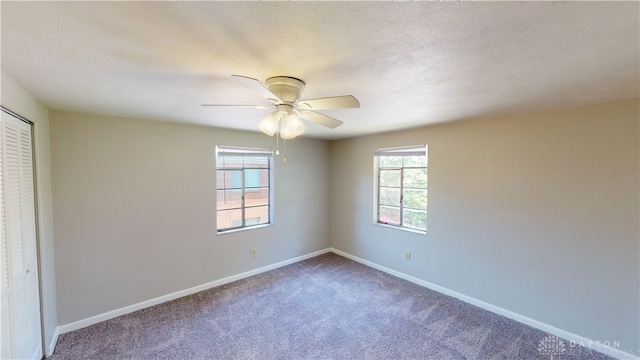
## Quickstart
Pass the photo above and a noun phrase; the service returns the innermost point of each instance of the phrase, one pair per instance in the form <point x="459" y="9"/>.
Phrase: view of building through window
<point x="402" y="187"/>
<point x="243" y="187"/>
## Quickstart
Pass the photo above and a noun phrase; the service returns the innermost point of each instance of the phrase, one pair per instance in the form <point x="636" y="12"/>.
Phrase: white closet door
<point x="21" y="337"/>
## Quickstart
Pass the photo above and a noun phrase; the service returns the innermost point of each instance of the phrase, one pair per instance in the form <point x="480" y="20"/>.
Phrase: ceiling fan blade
<point x="321" y="119"/>
<point x="256" y="86"/>
<point x="333" y="102"/>
<point x="246" y="106"/>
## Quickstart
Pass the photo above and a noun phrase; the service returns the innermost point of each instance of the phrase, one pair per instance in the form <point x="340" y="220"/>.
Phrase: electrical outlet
<point x="254" y="252"/>
<point x="408" y="256"/>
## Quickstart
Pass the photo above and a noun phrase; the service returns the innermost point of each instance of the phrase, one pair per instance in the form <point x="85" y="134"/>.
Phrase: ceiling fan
<point x="284" y="94"/>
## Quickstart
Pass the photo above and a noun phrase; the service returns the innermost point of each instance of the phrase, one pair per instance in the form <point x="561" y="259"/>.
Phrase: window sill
<point x="419" y="232"/>
<point x="223" y="232"/>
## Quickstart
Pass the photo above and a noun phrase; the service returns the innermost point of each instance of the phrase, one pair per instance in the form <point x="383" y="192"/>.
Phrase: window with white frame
<point x="244" y="187"/>
<point x="401" y="175"/>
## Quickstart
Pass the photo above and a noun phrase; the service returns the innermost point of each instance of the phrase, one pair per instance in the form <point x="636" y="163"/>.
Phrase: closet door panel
<point x="27" y="201"/>
<point x="6" y="343"/>
<point x="20" y="328"/>
<point x="5" y="330"/>
<point x="13" y="210"/>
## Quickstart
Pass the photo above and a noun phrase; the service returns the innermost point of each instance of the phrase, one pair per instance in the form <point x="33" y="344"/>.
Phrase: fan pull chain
<point x="278" y="140"/>
<point x="284" y="151"/>
<point x="284" y="142"/>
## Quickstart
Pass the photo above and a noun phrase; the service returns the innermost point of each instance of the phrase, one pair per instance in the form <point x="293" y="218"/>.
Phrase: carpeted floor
<point x="327" y="307"/>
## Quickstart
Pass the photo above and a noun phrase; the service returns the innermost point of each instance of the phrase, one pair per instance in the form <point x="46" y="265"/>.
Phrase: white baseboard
<point x="52" y="344"/>
<point x="572" y="338"/>
<point x="38" y="353"/>
<point x="178" y="294"/>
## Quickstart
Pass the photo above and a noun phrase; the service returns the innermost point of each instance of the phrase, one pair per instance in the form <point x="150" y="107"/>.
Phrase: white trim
<point x="178" y="294"/>
<point x="577" y="339"/>
<point x="54" y="341"/>
<point x="415" y="150"/>
<point x="402" y="228"/>
<point x="223" y="150"/>
<point x="38" y="354"/>
<point x="244" y="228"/>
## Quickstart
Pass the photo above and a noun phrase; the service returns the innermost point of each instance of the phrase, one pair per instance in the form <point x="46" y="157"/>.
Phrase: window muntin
<point x="244" y="187"/>
<point x="402" y="187"/>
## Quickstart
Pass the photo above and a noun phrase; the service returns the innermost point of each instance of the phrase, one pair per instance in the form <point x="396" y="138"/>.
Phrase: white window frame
<point x="397" y="151"/>
<point x="244" y="152"/>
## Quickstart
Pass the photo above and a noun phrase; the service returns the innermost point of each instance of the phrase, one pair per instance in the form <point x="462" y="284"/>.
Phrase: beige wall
<point x="535" y="213"/>
<point x="135" y="207"/>
<point x="16" y="99"/>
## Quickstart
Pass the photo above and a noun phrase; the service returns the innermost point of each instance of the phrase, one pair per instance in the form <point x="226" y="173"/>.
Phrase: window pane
<point x="416" y="219"/>
<point x="415" y="178"/>
<point x="229" y="162"/>
<point x="220" y="179"/>
<point x="252" y="221"/>
<point x="415" y="199"/>
<point x="256" y="178"/>
<point x="228" y="179"/>
<point x="255" y="197"/>
<point x="389" y="196"/>
<point x="415" y="161"/>
<point x="390" y="178"/>
<point x="390" y="161"/>
<point x="236" y="179"/>
<point x="257" y="215"/>
<point x="229" y="199"/>
<point x="389" y="215"/>
<point x="256" y="162"/>
<point x="228" y="219"/>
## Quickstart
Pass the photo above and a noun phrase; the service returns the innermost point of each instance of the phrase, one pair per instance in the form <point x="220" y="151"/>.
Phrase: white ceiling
<point x="409" y="63"/>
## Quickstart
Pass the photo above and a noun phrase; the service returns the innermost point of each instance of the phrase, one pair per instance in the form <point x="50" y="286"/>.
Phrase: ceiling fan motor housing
<point x="287" y="88"/>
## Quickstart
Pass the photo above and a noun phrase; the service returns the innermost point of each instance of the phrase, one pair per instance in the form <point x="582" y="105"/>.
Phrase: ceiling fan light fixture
<point x="292" y="126"/>
<point x="269" y="124"/>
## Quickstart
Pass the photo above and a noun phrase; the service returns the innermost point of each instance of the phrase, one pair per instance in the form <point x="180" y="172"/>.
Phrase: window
<point x="402" y="187"/>
<point x="244" y="187"/>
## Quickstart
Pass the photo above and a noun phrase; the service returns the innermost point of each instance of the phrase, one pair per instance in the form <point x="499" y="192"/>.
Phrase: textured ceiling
<point x="409" y="63"/>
